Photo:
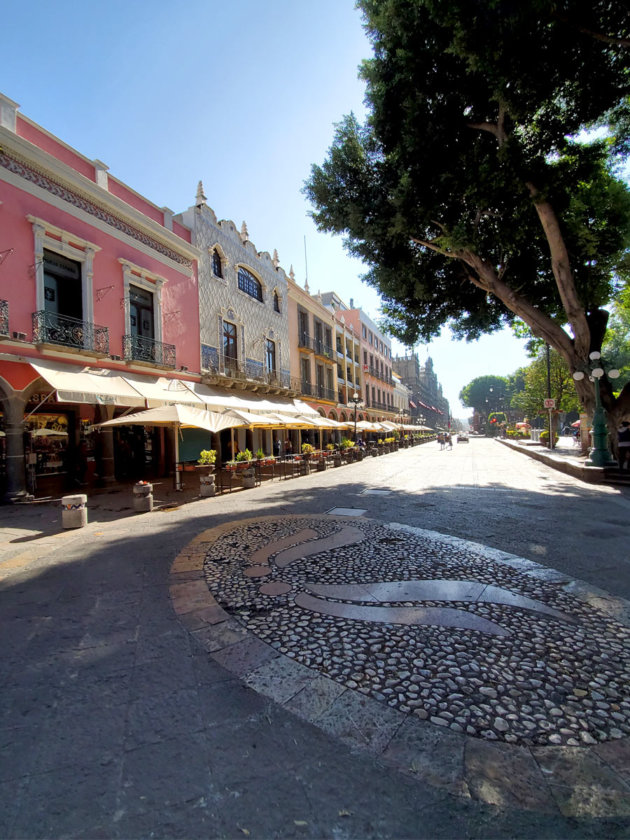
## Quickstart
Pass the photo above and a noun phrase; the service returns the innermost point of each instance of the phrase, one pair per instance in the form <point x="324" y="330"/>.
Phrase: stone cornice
<point x="41" y="169"/>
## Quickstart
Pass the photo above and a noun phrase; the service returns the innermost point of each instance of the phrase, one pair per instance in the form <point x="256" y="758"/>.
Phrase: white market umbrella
<point x="178" y="417"/>
<point x="47" y="433"/>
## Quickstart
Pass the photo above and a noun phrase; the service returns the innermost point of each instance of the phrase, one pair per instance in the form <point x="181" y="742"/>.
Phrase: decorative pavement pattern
<point x="466" y="667"/>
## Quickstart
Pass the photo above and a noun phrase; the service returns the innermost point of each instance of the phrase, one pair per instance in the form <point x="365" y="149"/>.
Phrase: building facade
<point x="427" y="404"/>
<point x="96" y="284"/>
<point x="371" y="368"/>
<point x="311" y="330"/>
<point x="243" y="306"/>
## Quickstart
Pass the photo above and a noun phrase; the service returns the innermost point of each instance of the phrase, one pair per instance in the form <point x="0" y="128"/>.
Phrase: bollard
<point x="207" y="486"/>
<point x="74" y="511"/>
<point x="143" y="497"/>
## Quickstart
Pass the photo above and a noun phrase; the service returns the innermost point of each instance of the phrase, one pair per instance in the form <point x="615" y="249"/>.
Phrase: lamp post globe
<point x="599" y="455"/>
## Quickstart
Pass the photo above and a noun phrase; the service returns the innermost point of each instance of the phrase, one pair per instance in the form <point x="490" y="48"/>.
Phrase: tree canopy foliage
<point x="471" y="192"/>
<point x="486" y="394"/>
<point x="529" y="399"/>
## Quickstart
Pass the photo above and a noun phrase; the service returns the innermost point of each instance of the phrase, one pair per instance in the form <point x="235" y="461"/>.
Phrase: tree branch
<point x="624" y="43"/>
<point x="561" y="267"/>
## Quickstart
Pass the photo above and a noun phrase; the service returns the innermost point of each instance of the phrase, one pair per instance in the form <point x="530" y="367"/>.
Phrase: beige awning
<point x="181" y="416"/>
<point x="102" y="386"/>
<point x="296" y="421"/>
<point x="87" y="385"/>
<point x="220" y="399"/>
<point x="160" y="390"/>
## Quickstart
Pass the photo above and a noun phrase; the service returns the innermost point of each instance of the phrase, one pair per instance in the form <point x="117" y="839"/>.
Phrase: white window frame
<point x="49" y="237"/>
<point x="135" y="275"/>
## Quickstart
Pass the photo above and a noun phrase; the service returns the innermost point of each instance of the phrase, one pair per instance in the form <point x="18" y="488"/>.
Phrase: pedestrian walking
<point x="623" y="437"/>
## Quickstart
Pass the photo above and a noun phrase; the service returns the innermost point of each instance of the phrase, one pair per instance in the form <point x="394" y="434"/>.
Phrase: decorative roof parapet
<point x="73" y="197"/>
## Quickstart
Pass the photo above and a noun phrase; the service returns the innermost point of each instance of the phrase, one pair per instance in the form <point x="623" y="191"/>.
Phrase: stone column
<point x="106" y="442"/>
<point x="13" y="408"/>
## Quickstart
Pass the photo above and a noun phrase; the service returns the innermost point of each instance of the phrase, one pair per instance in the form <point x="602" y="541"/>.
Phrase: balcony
<point x="51" y="328"/>
<point x="322" y="348"/>
<point x="317" y="345"/>
<point x="4" y="317"/>
<point x="229" y="371"/>
<point x="259" y="373"/>
<point x="138" y="348"/>
<point x="377" y="374"/>
<point x="323" y="393"/>
<point x="305" y="341"/>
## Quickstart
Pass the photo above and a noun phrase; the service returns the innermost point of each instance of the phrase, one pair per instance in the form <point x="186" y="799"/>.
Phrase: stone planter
<point x="321" y="465"/>
<point x="74" y="510"/>
<point x="207" y="487"/>
<point x="336" y="459"/>
<point x="142" y="497"/>
<point x="249" y="477"/>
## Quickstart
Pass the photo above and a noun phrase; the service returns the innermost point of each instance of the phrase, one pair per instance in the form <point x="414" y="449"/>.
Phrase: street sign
<point x="550" y="403"/>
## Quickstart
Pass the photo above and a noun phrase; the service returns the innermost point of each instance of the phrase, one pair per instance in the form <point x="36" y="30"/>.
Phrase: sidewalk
<point x="565" y="456"/>
<point x="264" y="664"/>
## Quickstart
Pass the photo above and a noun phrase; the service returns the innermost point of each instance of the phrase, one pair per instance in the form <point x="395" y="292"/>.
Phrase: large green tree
<point x="540" y="381"/>
<point x="471" y="192"/>
<point x="486" y="394"/>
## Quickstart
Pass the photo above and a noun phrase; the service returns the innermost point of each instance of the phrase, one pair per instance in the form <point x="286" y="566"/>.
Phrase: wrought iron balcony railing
<point x="139" y="348"/>
<point x="217" y="364"/>
<point x="51" y="328"/>
<point x="317" y="345"/>
<point x="322" y="348"/>
<point x="259" y="373"/>
<point x="4" y="317"/>
<point x="324" y="393"/>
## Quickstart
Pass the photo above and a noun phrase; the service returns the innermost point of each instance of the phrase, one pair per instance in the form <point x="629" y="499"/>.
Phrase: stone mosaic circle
<point x="431" y="628"/>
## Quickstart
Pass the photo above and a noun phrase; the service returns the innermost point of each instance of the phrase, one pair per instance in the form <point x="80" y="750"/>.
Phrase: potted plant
<point x="307" y="450"/>
<point x="245" y="466"/>
<point x="207" y="459"/>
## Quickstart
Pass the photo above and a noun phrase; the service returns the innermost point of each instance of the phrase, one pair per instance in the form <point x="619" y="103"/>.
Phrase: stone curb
<point x="584" y="781"/>
<point x="566" y="464"/>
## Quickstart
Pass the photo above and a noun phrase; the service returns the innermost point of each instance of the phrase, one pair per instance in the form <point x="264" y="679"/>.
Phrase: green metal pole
<point x="600" y="454"/>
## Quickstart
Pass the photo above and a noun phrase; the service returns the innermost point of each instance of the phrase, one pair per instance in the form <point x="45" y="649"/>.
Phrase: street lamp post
<point x="599" y="455"/>
<point x="356" y="400"/>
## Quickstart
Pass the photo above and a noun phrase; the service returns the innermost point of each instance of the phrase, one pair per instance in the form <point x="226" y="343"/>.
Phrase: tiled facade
<point x="243" y="305"/>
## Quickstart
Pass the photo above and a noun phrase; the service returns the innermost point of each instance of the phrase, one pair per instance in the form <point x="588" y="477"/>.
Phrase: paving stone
<point x="506" y="777"/>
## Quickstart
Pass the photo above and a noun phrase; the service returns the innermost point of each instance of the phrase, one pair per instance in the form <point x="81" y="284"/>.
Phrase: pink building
<point x="98" y="292"/>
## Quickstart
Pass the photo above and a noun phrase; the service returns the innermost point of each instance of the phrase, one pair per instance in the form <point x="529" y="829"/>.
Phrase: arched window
<point x="249" y="284"/>
<point x="276" y="302"/>
<point x="217" y="266"/>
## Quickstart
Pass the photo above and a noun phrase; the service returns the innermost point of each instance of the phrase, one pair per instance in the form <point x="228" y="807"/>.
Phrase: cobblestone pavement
<point x="398" y="639"/>
<point x="288" y="661"/>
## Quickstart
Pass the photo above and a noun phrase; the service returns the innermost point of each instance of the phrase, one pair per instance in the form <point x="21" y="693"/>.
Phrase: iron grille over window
<point x="249" y="284"/>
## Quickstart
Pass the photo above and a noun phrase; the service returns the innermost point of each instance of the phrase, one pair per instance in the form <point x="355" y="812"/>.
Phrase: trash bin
<point x="143" y="497"/>
<point x="74" y="511"/>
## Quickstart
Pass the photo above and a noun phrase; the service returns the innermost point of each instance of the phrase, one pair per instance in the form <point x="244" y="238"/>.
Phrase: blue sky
<point x="241" y="95"/>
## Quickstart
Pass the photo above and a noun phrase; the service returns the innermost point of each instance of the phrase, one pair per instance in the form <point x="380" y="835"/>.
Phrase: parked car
<point x="462" y="437"/>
